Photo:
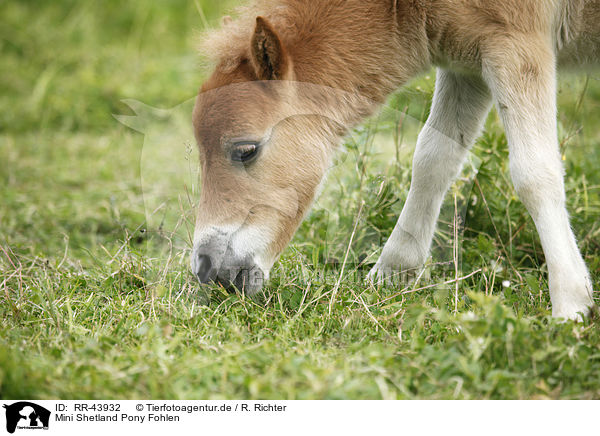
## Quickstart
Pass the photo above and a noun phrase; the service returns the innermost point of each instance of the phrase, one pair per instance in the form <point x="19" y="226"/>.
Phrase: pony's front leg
<point x="524" y="89"/>
<point x="460" y="105"/>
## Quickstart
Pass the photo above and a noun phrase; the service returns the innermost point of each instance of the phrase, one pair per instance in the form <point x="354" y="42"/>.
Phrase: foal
<point x="292" y="76"/>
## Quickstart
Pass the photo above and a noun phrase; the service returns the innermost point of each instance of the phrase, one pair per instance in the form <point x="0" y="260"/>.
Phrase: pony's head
<point x="285" y="89"/>
<point x="264" y="149"/>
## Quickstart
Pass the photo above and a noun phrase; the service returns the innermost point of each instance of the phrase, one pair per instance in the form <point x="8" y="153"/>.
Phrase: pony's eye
<point x="244" y="152"/>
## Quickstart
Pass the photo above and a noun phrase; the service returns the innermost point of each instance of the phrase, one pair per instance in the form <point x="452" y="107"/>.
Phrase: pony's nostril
<point x="204" y="266"/>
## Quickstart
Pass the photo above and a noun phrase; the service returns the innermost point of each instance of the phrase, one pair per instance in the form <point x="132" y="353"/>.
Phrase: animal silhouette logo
<point x="171" y="178"/>
<point x="26" y="415"/>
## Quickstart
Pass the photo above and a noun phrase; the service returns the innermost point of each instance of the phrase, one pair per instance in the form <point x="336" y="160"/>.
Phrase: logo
<point x="26" y="415"/>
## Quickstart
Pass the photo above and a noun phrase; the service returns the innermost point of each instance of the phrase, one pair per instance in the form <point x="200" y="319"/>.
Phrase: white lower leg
<point x="527" y="106"/>
<point x="438" y="160"/>
<point x="458" y="111"/>
<point x="540" y="186"/>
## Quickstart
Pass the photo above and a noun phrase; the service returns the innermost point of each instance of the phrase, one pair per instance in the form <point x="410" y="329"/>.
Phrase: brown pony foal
<point x="292" y="76"/>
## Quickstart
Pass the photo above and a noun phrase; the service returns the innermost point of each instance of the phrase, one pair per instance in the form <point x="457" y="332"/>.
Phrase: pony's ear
<point x="268" y="53"/>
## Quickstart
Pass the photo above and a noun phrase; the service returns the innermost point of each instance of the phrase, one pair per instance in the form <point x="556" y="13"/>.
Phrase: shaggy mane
<point x="229" y="44"/>
<point x="321" y="25"/>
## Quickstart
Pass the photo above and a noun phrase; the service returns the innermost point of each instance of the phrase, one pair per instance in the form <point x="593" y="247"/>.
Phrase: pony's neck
<point x="361" y="46"/>
<point x="365" y="49"/>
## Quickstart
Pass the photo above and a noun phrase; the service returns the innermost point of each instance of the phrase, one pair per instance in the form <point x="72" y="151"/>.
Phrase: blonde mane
<point x="322" y="33"/>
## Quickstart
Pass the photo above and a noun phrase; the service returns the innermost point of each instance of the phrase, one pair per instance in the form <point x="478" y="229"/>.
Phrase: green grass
<point x="96" y="300"/>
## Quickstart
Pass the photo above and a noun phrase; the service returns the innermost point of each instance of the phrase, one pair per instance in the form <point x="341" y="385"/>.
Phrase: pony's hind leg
<point x="460" y="105"/>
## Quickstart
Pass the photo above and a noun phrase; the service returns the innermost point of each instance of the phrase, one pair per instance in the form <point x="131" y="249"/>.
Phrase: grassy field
<point x="96" y="300"/>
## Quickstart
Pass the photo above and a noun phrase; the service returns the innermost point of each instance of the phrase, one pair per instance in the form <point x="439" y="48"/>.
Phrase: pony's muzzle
<point x="204" y="269"/>
<point x="211" y="265"/>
